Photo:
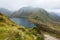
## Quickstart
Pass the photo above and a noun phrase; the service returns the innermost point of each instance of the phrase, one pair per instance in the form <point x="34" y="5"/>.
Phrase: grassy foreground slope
<point x="11" y="31"/>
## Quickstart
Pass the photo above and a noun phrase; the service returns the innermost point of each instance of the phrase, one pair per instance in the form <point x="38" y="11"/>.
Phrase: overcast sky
<point x="50" y="5"/>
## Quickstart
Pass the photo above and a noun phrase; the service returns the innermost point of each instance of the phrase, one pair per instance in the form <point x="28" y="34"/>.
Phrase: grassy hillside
<point x="11" y="31"/>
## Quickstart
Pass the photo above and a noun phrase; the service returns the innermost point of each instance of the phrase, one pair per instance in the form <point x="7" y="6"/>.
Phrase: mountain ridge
<point x="6" y="12"/>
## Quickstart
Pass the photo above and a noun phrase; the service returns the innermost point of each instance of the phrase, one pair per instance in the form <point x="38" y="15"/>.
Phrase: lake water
<point x="23" y="22"/>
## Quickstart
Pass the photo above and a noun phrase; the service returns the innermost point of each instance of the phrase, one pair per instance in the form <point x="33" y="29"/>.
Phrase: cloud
<point x="17" y="4"/>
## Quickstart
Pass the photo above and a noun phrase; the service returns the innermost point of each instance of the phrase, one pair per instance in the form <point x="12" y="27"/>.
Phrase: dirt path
<point x="49" y="37"/>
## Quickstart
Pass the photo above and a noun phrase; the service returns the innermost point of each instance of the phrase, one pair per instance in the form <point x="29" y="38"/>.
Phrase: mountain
<point x="41" y="17"/>
<point x="30" y="11"/>
<point x="11" y="31"/>
<point x="5" y="11"/>
<point x="56" y="16"/>
<point x="22" y="11"/>
<point x="34" y="12"/>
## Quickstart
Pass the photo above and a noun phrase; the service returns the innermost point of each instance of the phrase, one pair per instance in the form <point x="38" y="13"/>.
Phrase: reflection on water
<point x="23" y="22"/>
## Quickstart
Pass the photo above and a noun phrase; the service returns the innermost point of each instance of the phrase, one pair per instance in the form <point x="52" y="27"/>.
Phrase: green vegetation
<point x="11" y="31"/>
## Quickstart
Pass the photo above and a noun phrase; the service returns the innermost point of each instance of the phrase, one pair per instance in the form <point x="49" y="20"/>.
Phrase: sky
<point x="49" y="5"/>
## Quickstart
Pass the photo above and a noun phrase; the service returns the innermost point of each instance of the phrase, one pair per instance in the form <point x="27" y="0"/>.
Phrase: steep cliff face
<point x="11" y="31"/>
